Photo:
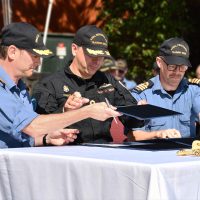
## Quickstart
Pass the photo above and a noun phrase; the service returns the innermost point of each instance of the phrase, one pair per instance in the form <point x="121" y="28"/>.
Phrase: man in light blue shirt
<point x="170" y="90"/>
<point x="16" y="112"/>
<point x="20" y="51"/>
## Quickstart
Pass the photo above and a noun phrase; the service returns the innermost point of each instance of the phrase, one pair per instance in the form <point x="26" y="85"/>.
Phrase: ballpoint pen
<point x="109" y="106"/>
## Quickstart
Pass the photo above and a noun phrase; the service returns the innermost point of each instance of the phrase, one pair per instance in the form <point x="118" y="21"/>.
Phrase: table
<point x="97" y="173"/>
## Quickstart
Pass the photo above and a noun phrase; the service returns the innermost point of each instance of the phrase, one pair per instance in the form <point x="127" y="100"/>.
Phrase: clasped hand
<point x="168" y="133"/>
<point x="75" y="101"/>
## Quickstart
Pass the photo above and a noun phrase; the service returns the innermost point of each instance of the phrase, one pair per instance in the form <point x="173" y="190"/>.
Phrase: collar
<point x="95" y="78"/>
<point x="158" y="87"/>
<point x="9" y="82"/>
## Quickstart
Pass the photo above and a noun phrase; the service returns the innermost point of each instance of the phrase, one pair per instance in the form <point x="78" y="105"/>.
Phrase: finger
<point x="72" y="104"/>
<point x="68" y="130"/>
<point x="173" y="133"/>
<point x="112" y="113"/>
<point x="85" y="100"/>
<point x="79" y="102"/>
<point x="170" y="135"/>
<point x="58" y="142"/>
<point x="68" y="106"/>
<point x="167" y="133"/>
<point x="70" y="98"/>
<point x="113" y="108"/>
<point x="142" y="102"/>
<point x="177" y="133"/>
<point x="164" y="134"/>
<point x="72" y="137"/>
<point x="61" y="133"/>
<point x="77" y="94"/>
<point x="76" y="104"/>
<point x="70" y="133"/>
<point x="75" y="100"/>
<point x="68" y="139"/>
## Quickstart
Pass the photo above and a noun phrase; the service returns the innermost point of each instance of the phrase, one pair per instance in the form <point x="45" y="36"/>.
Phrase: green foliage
<point x="136" y="28"/>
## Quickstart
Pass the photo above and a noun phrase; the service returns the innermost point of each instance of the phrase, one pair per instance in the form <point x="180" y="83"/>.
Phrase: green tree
<point x="136" y="28"/>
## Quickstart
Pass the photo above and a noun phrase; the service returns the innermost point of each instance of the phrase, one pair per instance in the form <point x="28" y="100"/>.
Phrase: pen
<point x="108" y="104"/>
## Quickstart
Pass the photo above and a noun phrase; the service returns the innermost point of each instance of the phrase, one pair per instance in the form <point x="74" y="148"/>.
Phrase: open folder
<point x="146" y="111"/>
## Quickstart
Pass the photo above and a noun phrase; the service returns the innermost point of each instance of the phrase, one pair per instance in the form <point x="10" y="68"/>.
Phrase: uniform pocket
<point x="185" y="125"/>
<point x="156" y="124"/>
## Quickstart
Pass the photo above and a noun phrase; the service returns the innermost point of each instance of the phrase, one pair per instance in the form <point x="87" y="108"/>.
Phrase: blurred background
<point x="135" y="28"/>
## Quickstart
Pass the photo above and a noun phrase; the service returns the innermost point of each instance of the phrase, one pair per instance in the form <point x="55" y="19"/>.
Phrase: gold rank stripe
<point x="194" y="80"/>
<point x="43" y="52"/>
<point x="143" y="86"/>
<point x="97" y="52"/>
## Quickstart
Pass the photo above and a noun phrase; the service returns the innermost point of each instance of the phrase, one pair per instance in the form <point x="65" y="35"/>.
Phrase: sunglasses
<point x="121" y="71"/>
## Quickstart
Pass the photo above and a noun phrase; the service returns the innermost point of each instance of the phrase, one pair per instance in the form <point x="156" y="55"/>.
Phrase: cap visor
<point x="104" y="69"/>
<point x="44" y="53"/>
<point x="97" y="52"/>
<point x="114" y="68"/>
<point x="176" y="60"/>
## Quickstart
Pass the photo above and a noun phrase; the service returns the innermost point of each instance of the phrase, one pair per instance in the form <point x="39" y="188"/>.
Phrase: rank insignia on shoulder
<point x="65" y="88"/>
<point x="143" y="86"/>
<point x="194" y="81"/>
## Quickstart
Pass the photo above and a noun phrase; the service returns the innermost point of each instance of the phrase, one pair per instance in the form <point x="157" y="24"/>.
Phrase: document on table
<point x="146" y="111"/>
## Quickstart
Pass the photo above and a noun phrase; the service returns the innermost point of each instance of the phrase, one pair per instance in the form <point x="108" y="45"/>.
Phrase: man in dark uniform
<point x="80" y="83"/>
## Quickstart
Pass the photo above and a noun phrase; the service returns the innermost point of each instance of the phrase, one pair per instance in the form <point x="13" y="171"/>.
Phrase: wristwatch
<point x="44" y="140"/>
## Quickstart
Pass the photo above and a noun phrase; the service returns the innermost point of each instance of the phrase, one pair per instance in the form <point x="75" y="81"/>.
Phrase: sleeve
<point x="14" y="115"/>
<point x="45" y="95"/>
<point x="136" y="95"/>
<point x="196" y="101"/>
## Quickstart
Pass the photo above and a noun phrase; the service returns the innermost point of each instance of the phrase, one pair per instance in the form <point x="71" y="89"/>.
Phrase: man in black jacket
<point x="81" y="82"/>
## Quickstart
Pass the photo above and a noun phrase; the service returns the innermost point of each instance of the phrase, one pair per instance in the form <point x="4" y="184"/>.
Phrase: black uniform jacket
<point x="52" y="92"/>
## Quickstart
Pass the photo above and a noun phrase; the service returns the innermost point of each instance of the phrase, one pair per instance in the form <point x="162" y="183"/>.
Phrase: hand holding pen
<point x="109" y="106"/>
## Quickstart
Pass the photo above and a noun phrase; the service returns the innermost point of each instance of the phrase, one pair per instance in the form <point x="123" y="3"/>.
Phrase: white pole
<point x="46" y="28"/>
<point x="6" y="10"/>
<point x="9" y="13"/>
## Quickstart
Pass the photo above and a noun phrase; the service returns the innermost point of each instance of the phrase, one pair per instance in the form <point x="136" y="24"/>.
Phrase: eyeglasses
<point x="182" y="68"/>
<point x="121" y="71"/>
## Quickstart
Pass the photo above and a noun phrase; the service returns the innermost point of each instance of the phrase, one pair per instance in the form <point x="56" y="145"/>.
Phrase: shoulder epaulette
<point x="143" y="86"/>
<point x="194" y="81"/>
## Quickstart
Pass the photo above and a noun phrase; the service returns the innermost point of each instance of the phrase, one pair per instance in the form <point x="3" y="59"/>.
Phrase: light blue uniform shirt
<point x="16" y="112"/>
<point x="185" y="100"/>
<point x="129" y="84"/>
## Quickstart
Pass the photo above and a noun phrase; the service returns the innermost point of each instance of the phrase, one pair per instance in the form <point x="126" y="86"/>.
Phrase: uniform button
<point x="92" y="102"/>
